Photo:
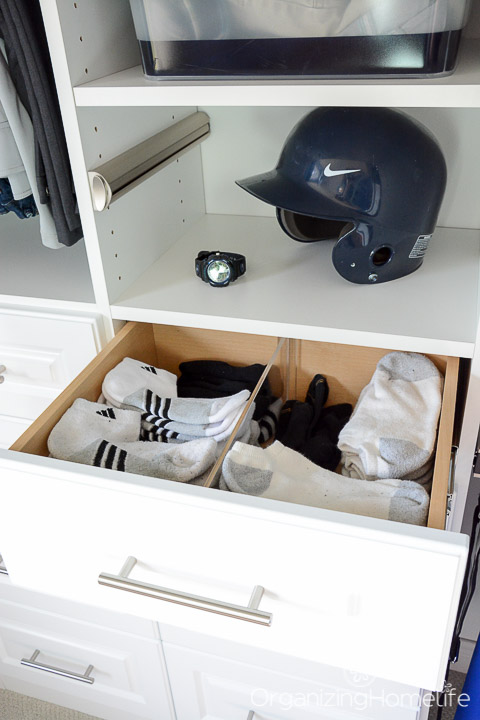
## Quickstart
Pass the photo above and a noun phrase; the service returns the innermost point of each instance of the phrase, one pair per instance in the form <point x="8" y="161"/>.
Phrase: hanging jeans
<point x="23" y="209"/>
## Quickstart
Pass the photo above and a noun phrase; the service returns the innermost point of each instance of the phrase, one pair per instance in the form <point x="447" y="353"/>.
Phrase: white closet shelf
<point x="292" y="290"/>
<point x="131" y="88"/>
<point x="31" y="273"/>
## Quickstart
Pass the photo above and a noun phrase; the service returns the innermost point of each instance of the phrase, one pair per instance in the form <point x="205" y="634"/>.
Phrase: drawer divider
<point x="217" y="468"/>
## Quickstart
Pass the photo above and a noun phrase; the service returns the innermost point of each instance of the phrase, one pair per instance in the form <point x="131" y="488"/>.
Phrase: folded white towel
<point x="279" y="473"/>
<point x="392" y="431"/>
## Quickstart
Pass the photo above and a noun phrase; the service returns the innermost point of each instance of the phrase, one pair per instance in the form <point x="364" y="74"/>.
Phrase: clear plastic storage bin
<point x="298" y="38"/>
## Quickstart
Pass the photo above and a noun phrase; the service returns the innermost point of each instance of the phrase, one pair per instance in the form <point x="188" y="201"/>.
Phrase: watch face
<point x="218" y="271"/>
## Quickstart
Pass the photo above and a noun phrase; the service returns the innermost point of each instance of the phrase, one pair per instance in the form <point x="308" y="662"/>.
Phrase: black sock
<point x="317" y="395"/>
<point x="295" y="419"/>
<point x="321" y="447"/>
<point x="216" y="378"/>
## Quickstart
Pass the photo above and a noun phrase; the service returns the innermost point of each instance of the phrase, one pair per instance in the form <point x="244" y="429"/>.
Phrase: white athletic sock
<point x="248" y="436"/>
<point x="280" y="473"/>
<point x="93" y="434"/>
<point x="85" y="421"/>
<point x="195" y="417"/>
<point x="126" y="383"/>
<point x="168" y="431"/>
<point x="392" y="431"/>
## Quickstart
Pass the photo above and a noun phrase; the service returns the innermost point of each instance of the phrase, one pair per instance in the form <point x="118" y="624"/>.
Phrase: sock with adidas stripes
<point x="93" y="434"/>
<point x="125" y="384"/>
<point x="268" y="423"/>
<point x="85" y="420"/>
<point x="168" y="429"/>
<point x="193" y="416"/>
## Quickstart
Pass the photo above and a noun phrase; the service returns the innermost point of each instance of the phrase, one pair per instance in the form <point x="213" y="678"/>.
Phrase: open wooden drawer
<point x="360" y="593"/>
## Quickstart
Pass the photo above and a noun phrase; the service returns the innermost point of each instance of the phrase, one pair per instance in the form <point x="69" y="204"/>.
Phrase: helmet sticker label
<point x="328" y="172"/>
<point x="420" y="247"/>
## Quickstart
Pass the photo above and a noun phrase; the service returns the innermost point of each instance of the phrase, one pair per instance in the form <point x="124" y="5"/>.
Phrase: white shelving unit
<point x="129" y="87"/>
<point x="292" y="290"/>
<point x="140" y="255"/>
<point x="144" y="270"/>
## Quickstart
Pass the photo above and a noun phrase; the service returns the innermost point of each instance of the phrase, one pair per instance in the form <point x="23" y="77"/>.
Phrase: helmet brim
<point x="282" y="192"/>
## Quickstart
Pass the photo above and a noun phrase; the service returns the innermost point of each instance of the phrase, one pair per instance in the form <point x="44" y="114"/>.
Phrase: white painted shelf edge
<point x="131" y="88"/>
<point x="29" y="302"/>
<point x="292" y="290"/>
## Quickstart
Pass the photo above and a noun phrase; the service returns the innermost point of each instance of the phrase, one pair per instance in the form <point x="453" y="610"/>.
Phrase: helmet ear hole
<point x="307" y="228"/>
<point x="382" y="255"/>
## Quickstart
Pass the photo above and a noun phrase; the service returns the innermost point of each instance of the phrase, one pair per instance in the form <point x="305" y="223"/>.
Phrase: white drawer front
<point x="11" y="428"/>
<point x="128" y="673"/>
<point x="42" y="353"/>
<point x="368" y="595"/>
<point x="209" y="687"/>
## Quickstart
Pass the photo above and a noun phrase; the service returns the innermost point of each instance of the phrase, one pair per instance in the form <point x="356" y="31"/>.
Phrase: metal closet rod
<point x="115" y="178"/>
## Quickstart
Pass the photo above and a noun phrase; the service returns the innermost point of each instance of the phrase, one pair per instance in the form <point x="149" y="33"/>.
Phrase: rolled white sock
<point x="280" y="473"/>
<point x="93" y="434"/>
<point x="392" y="430"/>
<point x="125" y="384"/>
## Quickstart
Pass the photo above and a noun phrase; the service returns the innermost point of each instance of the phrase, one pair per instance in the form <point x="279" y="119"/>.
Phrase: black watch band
<point x="235" y="261"/>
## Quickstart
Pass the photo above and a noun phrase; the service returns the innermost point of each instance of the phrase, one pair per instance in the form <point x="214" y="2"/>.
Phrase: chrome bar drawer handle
<point x="85" y="678"/>
<point x="3" y="569"/>
<point x="251" y="613"/>
<point x="251" y="715"/>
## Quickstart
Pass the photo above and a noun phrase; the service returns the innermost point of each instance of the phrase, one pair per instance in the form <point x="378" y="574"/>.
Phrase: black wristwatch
<point x="219" y="268"/>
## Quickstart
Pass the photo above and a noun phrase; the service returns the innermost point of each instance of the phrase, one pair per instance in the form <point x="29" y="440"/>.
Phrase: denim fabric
<point x="23" y="209"/>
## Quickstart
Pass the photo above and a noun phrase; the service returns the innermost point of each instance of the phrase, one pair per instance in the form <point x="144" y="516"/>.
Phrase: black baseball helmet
<point x="372" y="179"/>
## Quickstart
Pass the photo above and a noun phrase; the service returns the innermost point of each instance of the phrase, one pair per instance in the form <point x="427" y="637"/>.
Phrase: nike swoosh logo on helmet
<point x="331" y="173"/>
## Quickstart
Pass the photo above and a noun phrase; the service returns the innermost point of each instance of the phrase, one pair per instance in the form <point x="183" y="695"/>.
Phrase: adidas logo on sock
<point x="107" y="413"/>
<point x="149" y="368"/>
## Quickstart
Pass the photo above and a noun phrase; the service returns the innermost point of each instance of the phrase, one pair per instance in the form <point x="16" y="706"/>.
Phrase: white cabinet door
<point x="107" y="673"/>
<point x="210" y="687"/>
